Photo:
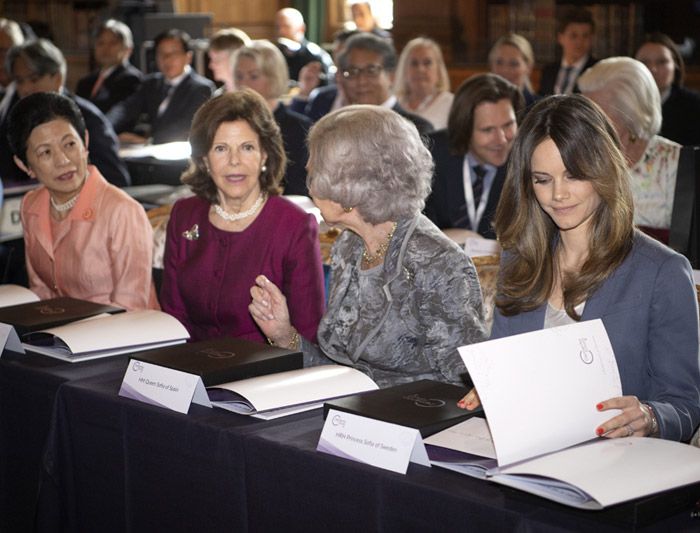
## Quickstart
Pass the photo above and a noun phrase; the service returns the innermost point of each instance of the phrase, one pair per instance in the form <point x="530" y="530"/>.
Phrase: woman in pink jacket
<point x="84" y="238"/>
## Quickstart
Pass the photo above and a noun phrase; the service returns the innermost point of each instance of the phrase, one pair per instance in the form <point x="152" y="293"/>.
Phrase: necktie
<point x="478" y="184"/>
<point x="98" y="84"/>
<point x="168" y="90"/>
<point x="565" y="79"/>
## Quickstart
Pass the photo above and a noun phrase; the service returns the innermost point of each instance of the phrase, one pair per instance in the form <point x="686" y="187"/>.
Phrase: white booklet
<point x="107" y="335"/>
<point x="557" y="376"/>
<point x="287" y="393"/>
<point x="15" y="295"/>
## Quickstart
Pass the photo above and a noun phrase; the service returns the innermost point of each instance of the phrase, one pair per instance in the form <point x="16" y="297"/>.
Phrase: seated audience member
<point x="314" y="101"/>
<point x="163" y="107"/>
<point x="364" y="20"/>
<point x="261" y="67"/>
<point x="237" y="226"/>
<point x="10" y="35"/>
<point x="116" y="78"/>
<point x="575" y="37"/>
<point x="297" y="50"/>
<point x="680" y="106"/>
<point x="366" y="69"/>
<point x="422" y="85"/>
<point x="38" y="66"/>
<point x="83" y="237"/>
<point x="222" y="46"/>
<point x="402" y="296"/>
<point x="470" y="156"/>
<point x="511" y="57"/>
<point x="625" y="90"/>
<point x="571" y="253"/>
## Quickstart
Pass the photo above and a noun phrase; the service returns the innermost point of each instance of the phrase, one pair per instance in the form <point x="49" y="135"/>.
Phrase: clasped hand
<point x="632" y="421"/>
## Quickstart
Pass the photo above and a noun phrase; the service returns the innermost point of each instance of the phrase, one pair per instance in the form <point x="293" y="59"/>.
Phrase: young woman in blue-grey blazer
<point x="572" y="253"/>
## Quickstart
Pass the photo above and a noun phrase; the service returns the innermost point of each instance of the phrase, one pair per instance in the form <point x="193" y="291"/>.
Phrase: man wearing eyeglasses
<point x="367" y="67"/>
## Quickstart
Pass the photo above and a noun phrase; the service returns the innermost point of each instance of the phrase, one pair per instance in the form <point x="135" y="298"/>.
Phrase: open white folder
<point x="11" y="294"/>
<point x="286" y="393"/>
<point x="108" y="335"/>
<point x="539" y="391"/>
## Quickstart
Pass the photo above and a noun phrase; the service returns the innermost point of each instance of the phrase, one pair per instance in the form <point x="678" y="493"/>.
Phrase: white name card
<point x="164" y="387"/>
<point x="372" y="442"/>
<point x="9" y="339"/>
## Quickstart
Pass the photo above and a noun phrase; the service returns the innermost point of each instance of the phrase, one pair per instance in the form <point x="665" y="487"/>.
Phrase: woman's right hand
<point x="470" y="401"/>
<point x="270" y="312"/>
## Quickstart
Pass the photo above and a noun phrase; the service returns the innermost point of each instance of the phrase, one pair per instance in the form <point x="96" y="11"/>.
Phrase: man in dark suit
<point x="575" y="37"/>
<point x="367" y="67"/>
<point x="38" y="66"/>
<point x="163" y="106"/>
<point x="297" y="50"/>
<point x="116" y="79"/>
<point x="470" y="155"/>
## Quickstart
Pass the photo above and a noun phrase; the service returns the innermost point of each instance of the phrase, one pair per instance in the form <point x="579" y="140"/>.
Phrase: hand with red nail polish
<point x="470" y="402"/>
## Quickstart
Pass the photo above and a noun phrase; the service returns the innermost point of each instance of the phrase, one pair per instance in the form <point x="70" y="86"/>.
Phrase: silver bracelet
<point x="650" y="417"/>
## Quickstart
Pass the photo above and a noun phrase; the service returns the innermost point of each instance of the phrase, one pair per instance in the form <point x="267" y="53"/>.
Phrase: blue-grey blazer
<point x="650" y="311"/>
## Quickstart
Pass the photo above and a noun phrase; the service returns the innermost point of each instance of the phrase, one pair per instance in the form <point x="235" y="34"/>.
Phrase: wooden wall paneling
<point x="256" y="18"/>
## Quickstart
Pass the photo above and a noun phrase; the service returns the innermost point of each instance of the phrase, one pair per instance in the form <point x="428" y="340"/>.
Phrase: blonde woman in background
<point x="422" y="85"/>
<point x="511" y="57"/>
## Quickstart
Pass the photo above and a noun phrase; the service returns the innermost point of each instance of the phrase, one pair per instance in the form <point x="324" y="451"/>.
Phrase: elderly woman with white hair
<point x="625" y="89"/>
<point x="260" y="66"/>
<point x="402" y="296"/>
<point x="422" y="85"/>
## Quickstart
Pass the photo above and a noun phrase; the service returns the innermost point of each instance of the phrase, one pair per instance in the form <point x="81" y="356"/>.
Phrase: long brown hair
<point x="590" y="150"/>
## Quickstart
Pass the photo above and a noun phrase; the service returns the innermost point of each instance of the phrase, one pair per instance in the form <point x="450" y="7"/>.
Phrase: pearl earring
<point x="264" y="168"/>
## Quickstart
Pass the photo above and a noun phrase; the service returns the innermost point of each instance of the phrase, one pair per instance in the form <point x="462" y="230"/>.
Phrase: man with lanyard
<point x="470" y="156"/>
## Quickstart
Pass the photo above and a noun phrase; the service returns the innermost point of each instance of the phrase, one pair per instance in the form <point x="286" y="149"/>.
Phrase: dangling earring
<point x="347" y="209"/>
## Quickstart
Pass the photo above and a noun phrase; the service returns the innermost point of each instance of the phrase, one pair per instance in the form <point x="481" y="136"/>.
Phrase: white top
<point x="434" y="109"/>
<point x="653" y="181"/>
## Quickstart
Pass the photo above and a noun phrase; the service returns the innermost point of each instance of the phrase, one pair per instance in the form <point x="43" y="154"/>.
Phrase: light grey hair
<point x="270" y="61"/>
<point x="372" y="159"/>
<point x="632" y="90"/>
<point x="121" y="30"/>
<point x="41" y="56"/>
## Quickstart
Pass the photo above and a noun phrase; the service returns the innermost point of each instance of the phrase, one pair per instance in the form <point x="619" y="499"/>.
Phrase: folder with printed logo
<point x="225" y="359"/>
<point x="35" y="316"/>
<point x="426" y="405"/>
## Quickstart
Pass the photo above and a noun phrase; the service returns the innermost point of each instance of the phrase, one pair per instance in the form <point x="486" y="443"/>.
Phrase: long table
<point x="114" y="464"/>
<point x="28" y="387"/>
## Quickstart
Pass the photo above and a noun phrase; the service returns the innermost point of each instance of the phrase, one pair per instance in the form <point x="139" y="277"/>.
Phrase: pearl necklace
<point x="243" y="214"/>
<point x="62" y="208"/>
<point x="369" y="258"/>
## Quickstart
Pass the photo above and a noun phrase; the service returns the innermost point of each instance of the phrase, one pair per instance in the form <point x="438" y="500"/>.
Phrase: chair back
<point x="684" y="234"/>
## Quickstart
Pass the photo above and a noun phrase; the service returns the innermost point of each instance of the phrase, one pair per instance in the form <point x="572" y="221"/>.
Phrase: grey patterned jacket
<point x="402" y="321"/>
